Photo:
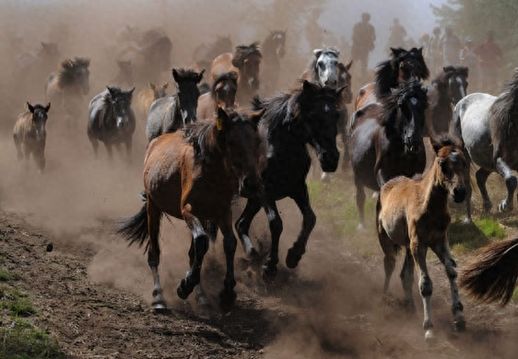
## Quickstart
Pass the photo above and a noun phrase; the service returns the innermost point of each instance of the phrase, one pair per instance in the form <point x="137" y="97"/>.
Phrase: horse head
<point x="278" y="43"/>
<point x="120" y="102"/>
<point x="344" y="80"/>
<point x="187" y="81"/>
<point x="325" y="67"/>
<point x="224" y="89"/>
<point x="409" y="64"/>
<point x="76" y="73"/>
<point x="457" y="77"/>
<point x="39" y="118"/>
<point x="248" y="60"/>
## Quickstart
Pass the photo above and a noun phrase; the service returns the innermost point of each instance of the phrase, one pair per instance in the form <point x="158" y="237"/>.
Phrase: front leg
<point x="425" y="284"/>
<point x="510" y="182"/>
<point x="275" y="222"/>
<point x="243" y="226"/>
<point x="308" y="223"/>
<point x="228" y="295"/>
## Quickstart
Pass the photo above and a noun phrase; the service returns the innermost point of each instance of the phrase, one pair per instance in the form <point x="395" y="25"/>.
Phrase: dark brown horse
<point x="386" y="140"/>
<point x="246" y="61"/>
<point x="222" y="94"/>
<point x="391" y="73"/>
<point x="193" y="174"/>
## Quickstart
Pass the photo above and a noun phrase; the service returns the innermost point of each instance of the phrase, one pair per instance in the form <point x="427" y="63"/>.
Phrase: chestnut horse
<point x="193" y="174"/>
<point x="147" y="96"/>
<point x="246" y="62"/>
<point x="413" y="213"/>
<point x="386" y="140"/>
<point x="222" y="94"/>
<point x="400" y="67"/>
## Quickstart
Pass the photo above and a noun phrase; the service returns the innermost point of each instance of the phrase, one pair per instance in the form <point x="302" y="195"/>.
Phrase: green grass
<point x="490" y="228"/>
<point x="465" y="238"/>
<point x="5" y="276"/>
<point x="515" y="295"/>
<point x="16" y="302"/>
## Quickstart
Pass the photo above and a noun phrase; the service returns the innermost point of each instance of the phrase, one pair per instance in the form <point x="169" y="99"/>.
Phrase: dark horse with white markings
<point x="167" y="114"/>
<point x="111" y="120"/>
<point x="193" y="174"/>
<point x="307" y="115"/>
<point x="386" y="140"/>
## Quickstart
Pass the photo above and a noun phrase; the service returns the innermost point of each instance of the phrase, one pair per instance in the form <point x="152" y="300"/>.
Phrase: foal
<point x="222" y="94"/>
<point x="413" y="213"/>
<point x="29" y="134"/>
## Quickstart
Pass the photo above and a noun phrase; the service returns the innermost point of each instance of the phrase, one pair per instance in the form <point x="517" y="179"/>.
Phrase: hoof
<point x="293" y="258"/>
<point x="459" y="325"/>
<point x="160" y="308"/>
<point x="504" y="206"/>
<point x="227" y="298"/>
<point x="183" y="290"/>
<point x="467" y="221"/>
<point x="326" y="177"/>
<point x="429" y="337"/>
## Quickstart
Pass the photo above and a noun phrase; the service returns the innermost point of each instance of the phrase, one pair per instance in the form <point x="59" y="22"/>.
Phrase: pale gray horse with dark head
<point x="488" y="126"/>
<point x="168" y="114"/>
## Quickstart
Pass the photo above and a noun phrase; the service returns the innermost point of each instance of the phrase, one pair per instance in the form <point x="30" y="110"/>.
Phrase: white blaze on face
<point x="184" y="114"/>
<point x="328" y="69"/>
<point x="461" y="87"/>
<point x="413" y="101"/>
<point x="120" y="121"/>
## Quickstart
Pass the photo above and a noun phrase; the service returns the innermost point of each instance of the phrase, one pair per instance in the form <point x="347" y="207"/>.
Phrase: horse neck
<point x="436" y="195"/>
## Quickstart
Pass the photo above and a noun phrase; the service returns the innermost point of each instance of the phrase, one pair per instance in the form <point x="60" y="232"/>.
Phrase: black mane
<point x="392" y="102"/>
<point x="242" y="52"/>
<point x="66" y="73"/>
<point x="227" y="76"/>
<point x="188" y="74"/>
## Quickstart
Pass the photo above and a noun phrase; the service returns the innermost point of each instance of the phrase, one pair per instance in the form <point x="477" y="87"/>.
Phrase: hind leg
<point x="153" y="259"/>
<point x="510" y="182"/>
<point x="275" y="223"/>
<point x="129" y="149"/>
<point x="228" y="295"/>
<point x="443" y="253"/>
<point x="360" y="204"/>
<point x="201" y="245"/>
<point x="407" y="280"/>
<point x="308" y="223"/>
<point x="389" y="250"/>
<point x="243" y="225"/>
<point x="18" y="144"/>
<point x="482" y="175"/>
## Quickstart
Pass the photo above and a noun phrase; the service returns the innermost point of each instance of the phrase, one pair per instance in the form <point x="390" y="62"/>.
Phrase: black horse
<point x="386" y="140"/>
<point x="111" y="119"/>
<point x="307" y="115"/>
<point x="167" y="114"/>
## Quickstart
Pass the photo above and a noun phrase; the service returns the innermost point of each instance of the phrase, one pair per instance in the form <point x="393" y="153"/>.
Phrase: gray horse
<point x="488" y="126"/>
<point x="111" y="120"/>
<point x="167" y="114"/>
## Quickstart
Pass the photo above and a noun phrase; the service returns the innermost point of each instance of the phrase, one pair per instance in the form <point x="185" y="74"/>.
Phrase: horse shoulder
<point x="206" y="106"/>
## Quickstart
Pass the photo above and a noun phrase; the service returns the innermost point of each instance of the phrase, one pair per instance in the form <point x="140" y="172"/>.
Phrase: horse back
<point x="222" y="64"/>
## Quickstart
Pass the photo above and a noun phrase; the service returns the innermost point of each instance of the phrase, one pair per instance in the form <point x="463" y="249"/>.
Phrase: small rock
<point x="50" y="247"/>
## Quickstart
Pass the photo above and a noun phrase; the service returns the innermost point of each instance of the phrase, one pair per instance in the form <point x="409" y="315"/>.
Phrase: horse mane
<point x="503" y="111"/>
<point x="392" y="102"/>
<point x="313" y="64"/>
<point x="200" y="134"/>
<point x="443" y="77"/>
<point x="188" y="74"/>
<point x="68" y="67"/>
<point x="279" y="109"/>
<point x="226" y="76"/>
<point x="243" y="51"/>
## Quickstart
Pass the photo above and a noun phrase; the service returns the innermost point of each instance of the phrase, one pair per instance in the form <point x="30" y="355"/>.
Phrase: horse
<point x="29" y="134"/>
<point x="488" y="127"/>
<point x="306" y="115"/>
<point x="401" y="66"/>
<point x="492" y="274"/>
<point x="204" y="54"/>
<point x="66" y="87"/>
<point x="167" y="114"/>
<point x="448" y="88"/>
<point x="147" y="96"/>
<point x="111" y="120"/>
<point x="413" y="213"/>
<point x="246" y="62"/>
<point x="222" y="94"/>
<point x="124" y="77"/>
<point x="193" y="174"/>
<point x="386" y="140"/>
<point x="273" y="49"/>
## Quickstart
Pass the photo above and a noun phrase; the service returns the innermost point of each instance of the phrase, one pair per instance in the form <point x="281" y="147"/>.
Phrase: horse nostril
<point x="459" y="194"/>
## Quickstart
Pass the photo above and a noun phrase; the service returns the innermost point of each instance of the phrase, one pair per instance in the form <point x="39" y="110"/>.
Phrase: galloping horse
<point x="222" y="94"/>
<point x="167" y="114"/>
<point x="386" y="140"/>
<point x="193" y="174"/>
<point x="401" y="66"/>
<point x="66" y="88"/>
<point x="246" y="62"/>
<point x="307" y="115"/>
<point x="204" y="54"/>
<point x="448" y="88"/>
<point x="413" y="213"/>
<point x="273" y="49"/>
<point x="147" y="96"/>
<point x="111" y="120"/>
<point x="29" y="134"/>
<point x="488" y="126"/>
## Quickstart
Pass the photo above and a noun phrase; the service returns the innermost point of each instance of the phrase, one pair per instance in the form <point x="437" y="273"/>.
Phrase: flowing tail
<point x="492" y="276"/>
<point x="135" y="229"/>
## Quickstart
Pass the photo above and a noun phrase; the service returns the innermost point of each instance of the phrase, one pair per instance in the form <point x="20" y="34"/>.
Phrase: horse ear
<point x="200" y="76"/>
<point x="176" y="75"/>
<point x="30" y="107"/>
<point x="348" y="66"/>
<point x="435" y="144"/>
<point x="341" y="89"/>
<point x="448" y="69"/>
<point x="420" y="50"/>
<point x="397" y="51"/>
<point x="165" y="85"/>
<point x="222" y="119"/>
<point x="47" y="108"/>
<point x="110" y="90"/>
<point x="152" y="86"/>
<point x="130" y="92"/>
<point x="317" y="52"/>
<point x="256" y="116"/>
<point x="308" y="87"/>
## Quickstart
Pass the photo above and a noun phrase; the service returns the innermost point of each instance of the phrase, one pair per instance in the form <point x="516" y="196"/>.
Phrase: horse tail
<point x="135" y="229"/>
<point x="493" y="274"/>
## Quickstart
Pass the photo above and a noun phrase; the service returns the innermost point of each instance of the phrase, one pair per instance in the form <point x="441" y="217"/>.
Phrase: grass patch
<point x="5" y="276"/>
<point x="22" y="340"/>
<point x="465" y="238"/>
<point x="17" y="303"/>
<point x="490" y="228"/>
<point x="515" y="295"/>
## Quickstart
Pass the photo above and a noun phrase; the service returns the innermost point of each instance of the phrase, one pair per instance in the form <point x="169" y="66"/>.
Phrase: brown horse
<point x="29" y="134"/>
<point x="493" y="273"/>
<point x="246" y="62"/>
<point x="401" y="66"/>
<point x="147" y="96"/>
<point x="413" y="213"/>
<point x="222" y="94"/>
<point x="193" y="174"/>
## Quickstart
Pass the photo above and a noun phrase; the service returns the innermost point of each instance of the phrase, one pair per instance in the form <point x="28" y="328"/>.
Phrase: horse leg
<point x="18" y="144"/>
<point x="425" y="285"/>
<point x="201" y="245"/>
<point x="308" y="223"/>
<point x="243" y="225"/>
<point x="109" y="150"/>
<point x="95" y="145"/>
<point x="510" y="182"/>
<point x="154" y="215"/>
<point x="407" y="280"/>
<point x="443" y="253"/>
<point x="275" y="222"/>
<point x="201" y="297"/>
<point x="39" y="158"/>
<point x="482" y="174"/>
<point x="389" y="250"/>
<point x="346" y="157"/>
<point x="228" y="295"/>
<point x="360" y="203"/>
<point x="129" y="149"/>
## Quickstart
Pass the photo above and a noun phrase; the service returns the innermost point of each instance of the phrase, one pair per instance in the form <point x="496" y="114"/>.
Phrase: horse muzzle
<point x="459" y="194"/>
<point x="329" y="160"/>
<point x="121" y="122"/>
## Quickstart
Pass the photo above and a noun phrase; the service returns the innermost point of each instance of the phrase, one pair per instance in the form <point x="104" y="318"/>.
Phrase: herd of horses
<point x="215" y="139"/>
